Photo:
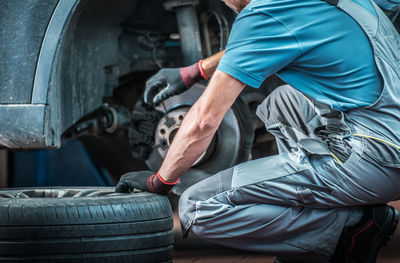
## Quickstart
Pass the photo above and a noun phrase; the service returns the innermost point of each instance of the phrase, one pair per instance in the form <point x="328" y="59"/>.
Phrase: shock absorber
<point x="189" y="30"/>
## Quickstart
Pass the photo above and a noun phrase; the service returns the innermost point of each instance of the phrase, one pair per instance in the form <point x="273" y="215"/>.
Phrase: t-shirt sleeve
<point x="259" y="46"/>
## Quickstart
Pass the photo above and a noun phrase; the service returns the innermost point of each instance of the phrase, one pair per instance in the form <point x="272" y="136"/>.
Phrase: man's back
<point x="314" y="46"/>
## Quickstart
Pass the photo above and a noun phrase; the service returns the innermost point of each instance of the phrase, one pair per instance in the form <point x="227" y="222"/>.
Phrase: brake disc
<point x="230" y="145"/>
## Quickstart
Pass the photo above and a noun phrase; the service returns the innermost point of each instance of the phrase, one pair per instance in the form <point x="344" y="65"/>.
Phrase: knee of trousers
<point x="278" y="104"/>
<point x="187" y="208"/>
<point x="188" y="215"/>
<point x="201" y="192"/>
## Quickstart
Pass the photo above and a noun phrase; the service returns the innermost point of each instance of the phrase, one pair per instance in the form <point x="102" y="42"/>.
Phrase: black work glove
<point x="171" y="81"/>
<point x="143" y="180"/>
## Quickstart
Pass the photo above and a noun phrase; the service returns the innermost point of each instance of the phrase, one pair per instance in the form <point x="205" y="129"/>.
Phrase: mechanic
<point x="337" y="126"/>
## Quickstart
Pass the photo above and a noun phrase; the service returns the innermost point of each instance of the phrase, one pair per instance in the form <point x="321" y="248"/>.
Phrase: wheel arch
<point x="76" y="66"/>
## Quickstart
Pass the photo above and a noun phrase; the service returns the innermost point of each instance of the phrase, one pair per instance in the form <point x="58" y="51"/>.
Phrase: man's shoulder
<point x="296" y="11"/>
<point x="260" y="5"/>
<point x="293" y="14"/>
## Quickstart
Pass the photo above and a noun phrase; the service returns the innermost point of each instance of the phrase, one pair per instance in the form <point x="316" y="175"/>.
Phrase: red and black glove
<point x="172" y="81"/>
<point x="144" y="181"/>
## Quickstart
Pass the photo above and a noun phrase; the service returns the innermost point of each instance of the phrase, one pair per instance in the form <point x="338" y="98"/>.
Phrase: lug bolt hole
<point x="162" y="131"/>
<point x="180" y="117"/>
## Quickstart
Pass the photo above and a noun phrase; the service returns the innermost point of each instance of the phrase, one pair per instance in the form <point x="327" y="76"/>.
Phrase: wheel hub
<point x="168" y="128"/>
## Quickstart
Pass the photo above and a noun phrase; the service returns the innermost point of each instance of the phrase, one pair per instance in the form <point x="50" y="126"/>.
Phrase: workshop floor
<point x="195" y="250"/>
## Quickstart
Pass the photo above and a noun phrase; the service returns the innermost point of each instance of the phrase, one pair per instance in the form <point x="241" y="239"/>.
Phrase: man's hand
<point x="145" y="181"/>
<point x="171" y="81"/>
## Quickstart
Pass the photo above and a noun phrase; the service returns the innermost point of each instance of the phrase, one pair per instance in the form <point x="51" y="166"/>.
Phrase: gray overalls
<point x="296" y="204"/>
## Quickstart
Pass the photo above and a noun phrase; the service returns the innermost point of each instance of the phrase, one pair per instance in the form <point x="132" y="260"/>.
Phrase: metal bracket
<point x="172" y="4"/>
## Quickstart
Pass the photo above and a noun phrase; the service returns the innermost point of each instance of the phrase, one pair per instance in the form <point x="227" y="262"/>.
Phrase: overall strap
<point x="332" y="2"/>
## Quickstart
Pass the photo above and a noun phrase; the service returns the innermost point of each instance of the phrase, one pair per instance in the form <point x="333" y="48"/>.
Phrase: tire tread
<point x="130" y="228"/>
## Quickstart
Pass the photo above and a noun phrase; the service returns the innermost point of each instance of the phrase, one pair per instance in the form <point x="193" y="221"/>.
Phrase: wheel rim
<point x="30" y="193"/>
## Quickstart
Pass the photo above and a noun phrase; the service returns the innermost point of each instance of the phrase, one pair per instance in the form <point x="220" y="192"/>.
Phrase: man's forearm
<point x="200" y="125"/>
<point x="189" y="144"/>
<point x="210" y="64"/>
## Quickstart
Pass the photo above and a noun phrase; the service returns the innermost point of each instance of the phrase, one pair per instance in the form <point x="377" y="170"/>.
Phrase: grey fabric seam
<point x="310" y="186"/>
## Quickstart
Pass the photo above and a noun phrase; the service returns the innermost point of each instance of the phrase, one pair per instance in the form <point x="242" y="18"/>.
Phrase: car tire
<point x="84" y="225"/>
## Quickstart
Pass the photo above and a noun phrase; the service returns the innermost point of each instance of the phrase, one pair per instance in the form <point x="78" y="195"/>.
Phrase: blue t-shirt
<point x="311" y="45"/>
